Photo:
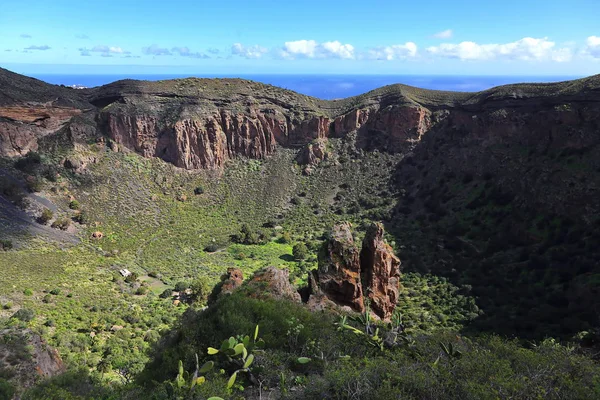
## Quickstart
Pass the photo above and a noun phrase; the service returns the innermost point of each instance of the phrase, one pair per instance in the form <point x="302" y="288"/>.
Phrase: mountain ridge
<point x="201" y="123"/>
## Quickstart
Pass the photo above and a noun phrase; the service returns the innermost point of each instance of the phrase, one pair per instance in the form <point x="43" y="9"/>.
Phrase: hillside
<point x="490" y="201"/>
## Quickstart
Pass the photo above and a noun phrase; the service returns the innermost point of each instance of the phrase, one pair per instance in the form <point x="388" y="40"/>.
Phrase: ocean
<point x="326" y="86"/>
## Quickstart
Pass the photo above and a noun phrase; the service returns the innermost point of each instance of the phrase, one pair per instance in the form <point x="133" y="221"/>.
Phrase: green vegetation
<point x="317" y="358"/>
<point x="481" y="262"/>
<point x="46" y="216"/>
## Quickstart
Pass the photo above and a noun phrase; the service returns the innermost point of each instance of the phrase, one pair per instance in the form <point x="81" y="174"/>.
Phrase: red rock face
<point x="313" y="153"/>
<point x="210" y="141"/>
<point x="21" y="126"/>
<point x="234" y="279"/>
<point x="338" y="276"/>
<point x="381" y="269"/>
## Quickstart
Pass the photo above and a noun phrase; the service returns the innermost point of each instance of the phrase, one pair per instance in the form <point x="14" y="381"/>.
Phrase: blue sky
<point x="525" y="37"/>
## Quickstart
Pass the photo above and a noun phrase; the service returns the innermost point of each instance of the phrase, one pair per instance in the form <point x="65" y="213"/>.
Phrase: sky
<point x="443" y="37"/>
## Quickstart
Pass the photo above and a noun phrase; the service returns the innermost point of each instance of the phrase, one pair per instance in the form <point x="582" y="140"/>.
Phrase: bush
<point x="55" y="292"/>
<point x="47" y="298"/>
<point x="74" y="205"/>
<point x="6" y="244"/>
<point x="300" y="251"/>
<point x="7" y="391"/>
<point x="181" y="286"/>
<point x="29" y="162"/>
<point x="285" y="237"/>
<point x="46" y="216"/>
<point x="35" y="184"/>
<point x="24" y="314"/>
<point x="166" y="294"/>
<point x="82" y="218"/>
<point x="61" y="223"/>
<point x="28" y="292"/>
<point x="142" y="290"/>
<point x="12" y="191"/>
<point x="199" y="190"/>
<point x="131" y="277"/>
<point x="211" y="248"/>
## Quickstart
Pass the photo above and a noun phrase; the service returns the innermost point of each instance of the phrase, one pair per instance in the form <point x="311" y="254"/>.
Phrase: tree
<point x="46" y="216"/>
<point x="103" y="367"/>
<point x="300" y="251"/>
<point x="181" y="286"/>
<point x="201" y="289"/>
<point x="285" y="237"/>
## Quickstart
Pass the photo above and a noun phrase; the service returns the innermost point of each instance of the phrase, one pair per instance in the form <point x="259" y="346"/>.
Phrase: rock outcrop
<point x="381" y="270"/>
<point x="232" y="281"/>
<point x="23" y="125"/>
<point x="338" y="275"/>
<point x="272" y="282"/>
<point x="314" y="152"/>
<point x="344" y="275"/>
<point x="27" y="358"/>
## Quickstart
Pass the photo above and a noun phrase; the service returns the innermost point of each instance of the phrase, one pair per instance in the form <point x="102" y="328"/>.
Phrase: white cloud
<point x="185" y="52"/>
<point x="44" y="47"/>
<point x="447" y="34"/>
<point x="312" y="49"/>
<point x="154" y="50"/>
<point x="103" y="51"/>
<point x="527" y="49"/>
<point x="592" y="47"/>
<point x="248" y="52"/>
<point x="394" y="52"/>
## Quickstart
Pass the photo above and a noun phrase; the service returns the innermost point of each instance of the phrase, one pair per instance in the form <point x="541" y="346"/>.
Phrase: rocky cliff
<point x="202" y="123"/>
<point x="345" y="274"/>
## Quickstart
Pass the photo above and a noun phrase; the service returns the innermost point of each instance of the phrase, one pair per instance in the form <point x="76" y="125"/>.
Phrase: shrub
<point x="300" y="251"/>
<point x="199" y="190"/>
<point x="55" y="292"/>
<point x="131" y="278"/>
<point x="28" y="292"/>
<point x="24" y="314"/>
<point x="7" y="391"/>
<point x="12" y="191"/>
<point x="74" y="205"/>
<point x="29" y="162"/>
<point x="47" y="298"/>
<point x="6" y="244"/>
<point x="142" y="290"/>
<point x="35" y="184"/>
<point x="82" y="218"/>
<point x="166" y="294"/>
<point x="211" y="248"/>
<point x="181" y="286"/>
<point x="61" y="223"/>
<point x="285" y="237"/>
<point x="46" y="216"/>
